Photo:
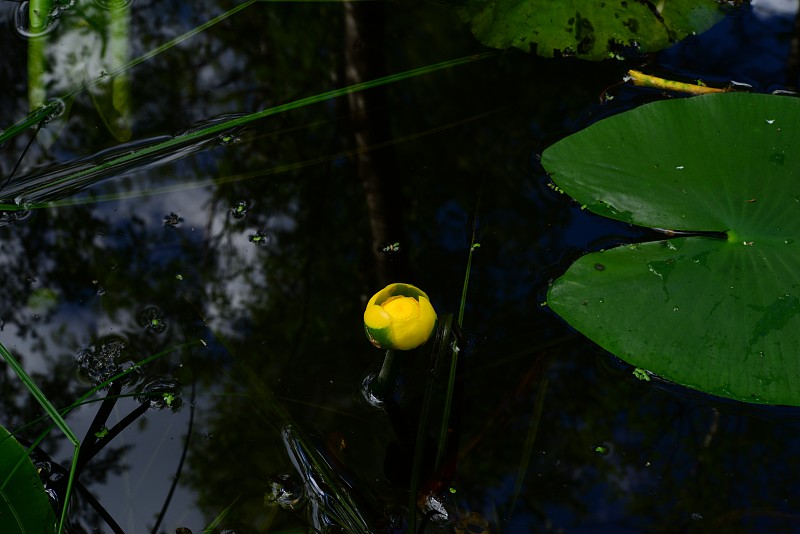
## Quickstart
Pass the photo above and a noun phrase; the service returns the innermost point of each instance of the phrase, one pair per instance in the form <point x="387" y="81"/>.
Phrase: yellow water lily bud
<point x="400" y="317"/>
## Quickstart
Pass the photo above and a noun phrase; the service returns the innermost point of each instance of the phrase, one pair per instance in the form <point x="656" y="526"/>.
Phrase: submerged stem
<point x="383" y="384"/>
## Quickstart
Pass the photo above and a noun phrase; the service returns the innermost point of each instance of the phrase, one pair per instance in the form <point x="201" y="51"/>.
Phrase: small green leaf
<point x="24" y="506"/>
<point x="641" y="374"/>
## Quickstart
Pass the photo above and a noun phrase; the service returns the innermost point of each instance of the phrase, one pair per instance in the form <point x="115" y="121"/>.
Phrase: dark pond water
<point x="248" y="256"/>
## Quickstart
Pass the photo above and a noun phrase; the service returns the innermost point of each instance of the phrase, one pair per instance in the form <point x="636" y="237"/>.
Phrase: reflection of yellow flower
<point x="399" y="316"/>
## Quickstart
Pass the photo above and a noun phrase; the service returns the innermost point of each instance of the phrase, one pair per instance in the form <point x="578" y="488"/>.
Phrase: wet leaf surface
<point x="716" y="314"/>
<point x="588" y="29"/>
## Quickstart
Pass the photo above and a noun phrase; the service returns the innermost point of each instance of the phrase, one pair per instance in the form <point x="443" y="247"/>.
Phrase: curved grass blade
<point x="53" y="413"/>
<point x="28" y="196"/>
<point x="211" y="528"/>
<point x="66" y="196"/>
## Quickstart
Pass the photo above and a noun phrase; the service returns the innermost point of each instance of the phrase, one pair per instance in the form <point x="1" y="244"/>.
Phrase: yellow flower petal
<point x="376" y="317"/>
<point x="402" y="308"/>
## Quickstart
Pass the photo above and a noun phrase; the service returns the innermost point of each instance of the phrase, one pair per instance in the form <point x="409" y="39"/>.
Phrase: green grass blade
<point x="211" y="528"/>
<point x="451" y="379"/>
<point x="203" y="134"/>
<point x="444" y="429"/>
<point x="440" y="350"/>
<point x="42" y="202"/>
<point x="53" y="413"/>
<point x="37" y="394"/>
<point x="473" y="246"/>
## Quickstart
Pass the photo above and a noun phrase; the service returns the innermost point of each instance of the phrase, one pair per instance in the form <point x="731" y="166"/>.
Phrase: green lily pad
<point x="24" y="507"/>
<point x="589" y="29"/>
<point x="719" y="314"/>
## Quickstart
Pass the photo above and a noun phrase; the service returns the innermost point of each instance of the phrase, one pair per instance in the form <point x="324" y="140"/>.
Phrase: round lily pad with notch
<point x="588" y="29"/>
<point x="716" y="312"/>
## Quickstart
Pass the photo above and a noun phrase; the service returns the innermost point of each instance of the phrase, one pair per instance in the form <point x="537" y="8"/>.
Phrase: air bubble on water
<point x="285" y="491"/>
<point x="101" y="361"/>
<point x="112" y="5"/>
<point x="22" y="22"/>
<point x="13" y="217"/>
<point x="56" y="108"/>
<point x="368" y="393"/>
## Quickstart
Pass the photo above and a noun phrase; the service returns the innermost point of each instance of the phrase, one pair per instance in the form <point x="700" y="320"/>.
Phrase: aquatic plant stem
<point x="38" y="15"/>
<point x="439" y="350"/>
<point x="444" y="430"/>
<point x="184" y="451"/>
<point x="641" y="79"/>
<point x="382" y="386"/>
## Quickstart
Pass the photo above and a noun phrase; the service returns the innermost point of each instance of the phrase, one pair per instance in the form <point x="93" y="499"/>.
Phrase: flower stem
<point x="383" y="384"/>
